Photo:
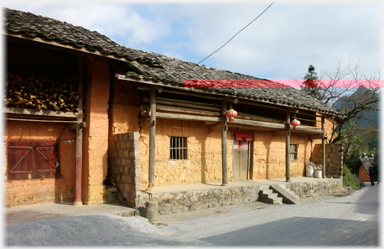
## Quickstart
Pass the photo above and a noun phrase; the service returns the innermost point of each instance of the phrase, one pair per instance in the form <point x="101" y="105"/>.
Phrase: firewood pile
<point x="41" y="92"/>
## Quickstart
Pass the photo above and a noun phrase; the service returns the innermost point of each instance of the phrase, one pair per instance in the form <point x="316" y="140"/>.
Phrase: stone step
<point x="286" y="194"/>
<point x="284" y="186"/>
<point x="267" y="195"/>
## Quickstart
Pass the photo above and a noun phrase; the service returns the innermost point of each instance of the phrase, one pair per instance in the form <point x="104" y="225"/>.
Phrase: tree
<point x="311" y="84"/>
<point x="354" y="94"/>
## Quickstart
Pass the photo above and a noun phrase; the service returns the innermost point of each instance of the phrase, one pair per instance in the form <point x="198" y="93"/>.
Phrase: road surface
<point x="343" y="221"/>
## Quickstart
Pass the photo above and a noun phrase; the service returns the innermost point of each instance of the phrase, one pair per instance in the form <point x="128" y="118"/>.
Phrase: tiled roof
<point x="156" y="67"/>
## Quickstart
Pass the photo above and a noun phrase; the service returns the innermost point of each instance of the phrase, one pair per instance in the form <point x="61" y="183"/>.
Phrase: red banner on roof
<point x="244" y="135"/>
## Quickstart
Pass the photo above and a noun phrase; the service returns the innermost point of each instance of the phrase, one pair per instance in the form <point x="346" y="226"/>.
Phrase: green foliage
<point x="311" y="84"/>
<point x="360" y="140"/>
<point x="351" y="180"/>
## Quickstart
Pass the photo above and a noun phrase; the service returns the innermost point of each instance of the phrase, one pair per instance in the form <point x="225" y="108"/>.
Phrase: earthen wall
<point x="95" y="143"/>
<point x="42" y="191"/>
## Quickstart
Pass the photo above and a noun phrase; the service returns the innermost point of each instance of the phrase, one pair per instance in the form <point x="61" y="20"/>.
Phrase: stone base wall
<point x="184" y="201"/>
<point x="309" y="189"/>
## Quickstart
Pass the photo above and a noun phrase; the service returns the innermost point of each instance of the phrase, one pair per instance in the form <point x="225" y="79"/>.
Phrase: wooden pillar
<point x="287" y="147"/>
<point x="224" y="128"/>
<point x="79" y="137"/>
<point x="323" y="145"/>
<point x="152" y="135"/>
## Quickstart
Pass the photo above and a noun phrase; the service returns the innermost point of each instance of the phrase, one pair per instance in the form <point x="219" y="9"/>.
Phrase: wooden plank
<point x="11" y="110"/>
<point x="186" y="110"/>
<point x="247" y="116"/>
<point x="186" y="117"/>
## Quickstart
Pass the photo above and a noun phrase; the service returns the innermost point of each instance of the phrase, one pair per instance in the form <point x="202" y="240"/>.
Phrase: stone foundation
<point x="184" y="201"/>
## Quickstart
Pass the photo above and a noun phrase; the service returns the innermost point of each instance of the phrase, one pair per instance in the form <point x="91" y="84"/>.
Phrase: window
<point x="178" y="148"/>
<point x="292" y="152"/>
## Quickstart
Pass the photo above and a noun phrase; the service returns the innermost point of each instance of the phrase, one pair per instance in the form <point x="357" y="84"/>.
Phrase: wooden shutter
<point x="31" y="159"/>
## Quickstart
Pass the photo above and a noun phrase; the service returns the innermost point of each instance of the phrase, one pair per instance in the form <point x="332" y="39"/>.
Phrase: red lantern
<point x="231" y="114"/>
<point x="295" y="123"/>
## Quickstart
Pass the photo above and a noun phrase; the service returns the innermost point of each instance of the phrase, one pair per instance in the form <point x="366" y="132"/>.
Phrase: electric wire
<point x="235" y="34"/>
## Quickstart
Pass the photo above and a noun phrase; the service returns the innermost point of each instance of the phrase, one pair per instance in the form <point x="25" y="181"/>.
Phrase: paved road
<point x="344" y="221"/>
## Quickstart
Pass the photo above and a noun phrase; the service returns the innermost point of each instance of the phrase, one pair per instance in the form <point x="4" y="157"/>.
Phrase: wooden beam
<point x="186" y="117"/>
<point x="249" y="127"/>
<point x="188" y="91"/>
<point x="182" y="103"/>
<point x="224" y="129"/>
<point x="258" y="123"/>
<point x="41" y="120"/>
<point x="186" y="110"/>
<point x="152" y="136"/>
<point x="287" y="147"/>
<point x="11" y="110"/>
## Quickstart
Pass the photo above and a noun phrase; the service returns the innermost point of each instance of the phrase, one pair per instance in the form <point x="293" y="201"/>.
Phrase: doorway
<point x="242" y="155"/>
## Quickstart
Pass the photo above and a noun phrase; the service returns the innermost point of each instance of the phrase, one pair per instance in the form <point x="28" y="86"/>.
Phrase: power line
<point x="236" y="34"/>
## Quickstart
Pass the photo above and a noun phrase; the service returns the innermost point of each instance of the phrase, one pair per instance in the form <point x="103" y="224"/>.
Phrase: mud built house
<point x="80" y="108"/>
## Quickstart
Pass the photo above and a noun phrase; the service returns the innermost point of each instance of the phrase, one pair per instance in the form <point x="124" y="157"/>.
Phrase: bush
<point x="350" y="179"/>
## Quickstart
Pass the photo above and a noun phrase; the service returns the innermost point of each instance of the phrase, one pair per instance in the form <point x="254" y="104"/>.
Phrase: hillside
<point x="369" y="118"/>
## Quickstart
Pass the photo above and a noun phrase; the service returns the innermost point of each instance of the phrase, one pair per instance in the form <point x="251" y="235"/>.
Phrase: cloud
<point x="287" y="37"/>
<point x="119" y="21"/>
<point x="282" y="43"/>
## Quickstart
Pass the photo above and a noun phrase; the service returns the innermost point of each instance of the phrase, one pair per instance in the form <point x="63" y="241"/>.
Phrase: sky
<point x="280" y="45"/>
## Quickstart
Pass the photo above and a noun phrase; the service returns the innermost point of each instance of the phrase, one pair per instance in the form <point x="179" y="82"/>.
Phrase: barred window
<point x="293" y="152"/>
<point x="178" y="148"/>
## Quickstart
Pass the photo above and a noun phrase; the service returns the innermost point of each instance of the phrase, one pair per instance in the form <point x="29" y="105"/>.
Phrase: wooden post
<point x="79" y="137"/>
<point x="224" y="129"/>
<point x="323" y="144"/>
<point x="152" y="134"/>
<point x="287" y="147"/>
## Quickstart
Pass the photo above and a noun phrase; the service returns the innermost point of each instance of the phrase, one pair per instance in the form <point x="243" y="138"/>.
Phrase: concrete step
<point x="267" y="195"/>
<point x="287" y="195"/>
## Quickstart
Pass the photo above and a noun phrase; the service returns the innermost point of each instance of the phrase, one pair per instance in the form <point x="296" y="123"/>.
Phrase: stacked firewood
<point x="41" y="92"/>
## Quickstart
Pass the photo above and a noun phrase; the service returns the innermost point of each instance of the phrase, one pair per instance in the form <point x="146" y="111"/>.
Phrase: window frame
<point x="178" y="148"/>
<point x="293" y="152"/>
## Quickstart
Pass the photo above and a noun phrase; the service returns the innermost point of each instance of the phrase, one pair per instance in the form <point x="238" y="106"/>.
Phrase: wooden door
<point x="241" y="160"/>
